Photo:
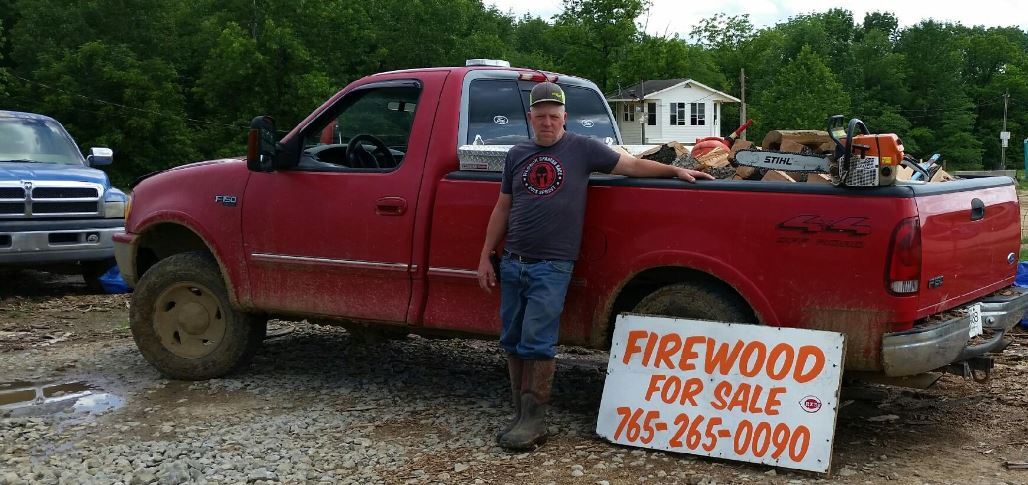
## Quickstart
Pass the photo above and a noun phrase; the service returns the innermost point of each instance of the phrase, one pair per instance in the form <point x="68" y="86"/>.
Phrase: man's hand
<point x="691" y="176"/>
<point x="486" y="274"/>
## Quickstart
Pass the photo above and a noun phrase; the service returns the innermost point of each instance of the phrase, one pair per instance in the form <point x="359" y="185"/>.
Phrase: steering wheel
<point x="359" y="157"/>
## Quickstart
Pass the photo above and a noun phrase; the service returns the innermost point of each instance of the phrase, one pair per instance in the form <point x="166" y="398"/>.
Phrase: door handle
<point x="391" y="206"/>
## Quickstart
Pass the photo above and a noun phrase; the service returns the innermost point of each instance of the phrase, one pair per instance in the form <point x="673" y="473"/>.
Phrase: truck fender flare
<point x="718" y="269"/>
<point x="182" y="219"/>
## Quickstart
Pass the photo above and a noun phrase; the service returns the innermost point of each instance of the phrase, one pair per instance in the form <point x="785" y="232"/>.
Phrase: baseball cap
<point x="546" y="92"/>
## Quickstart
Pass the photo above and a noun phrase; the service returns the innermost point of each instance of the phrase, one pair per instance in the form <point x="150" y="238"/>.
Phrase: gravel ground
<point x="321" y="406"/>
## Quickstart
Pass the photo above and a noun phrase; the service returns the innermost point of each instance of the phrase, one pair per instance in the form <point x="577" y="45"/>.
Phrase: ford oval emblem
<point x="588" y="123"/>
<point x="1011" y="258"/>
<point x="500" y="120"/>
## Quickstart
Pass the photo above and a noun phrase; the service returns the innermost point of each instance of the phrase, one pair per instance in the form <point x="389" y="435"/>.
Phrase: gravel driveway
<point x="320" y="405"/>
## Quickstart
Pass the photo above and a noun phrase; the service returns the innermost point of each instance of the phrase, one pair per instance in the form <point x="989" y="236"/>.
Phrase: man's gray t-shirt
<point x="548" y="187"/>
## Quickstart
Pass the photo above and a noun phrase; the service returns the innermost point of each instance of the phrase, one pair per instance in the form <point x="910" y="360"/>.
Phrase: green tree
<point x="803" y="96"/>
<point x="938" y="105"/>
<point x="126" y="103"/>
<point x="595" y="35"/>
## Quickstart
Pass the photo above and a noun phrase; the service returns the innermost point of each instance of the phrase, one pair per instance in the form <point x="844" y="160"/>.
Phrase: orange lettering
<point x="651" y="342"/>
<point x="688" y="354"/>
<point x="740" y="398"/>
<point x="669" y="345"/>
<point x="771" y="407"/>
<point x="782" y="349"/>
<point x="806" y="352"/>
<point x="757" y="391"/>
<point x="721" y="392"/>
<point x="719" y="359"/>
<point x="633" y="347"/>
<point x="693" y="387"/>
<point x="655" y="380"/>
<point x="752" y="348"/>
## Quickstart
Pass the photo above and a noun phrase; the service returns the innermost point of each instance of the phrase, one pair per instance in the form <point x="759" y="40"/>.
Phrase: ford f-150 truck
<point x="56" y="212"/>
<point x="361" y="215"/>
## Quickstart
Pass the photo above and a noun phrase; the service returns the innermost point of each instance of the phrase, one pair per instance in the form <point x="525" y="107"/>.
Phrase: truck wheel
<point x="183" y="323"/>
<point x="92" y="271"/>
<point x="697" y="301"/>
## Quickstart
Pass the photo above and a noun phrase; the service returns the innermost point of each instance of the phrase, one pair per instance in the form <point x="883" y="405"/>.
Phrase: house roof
<point x="649" y="89"/>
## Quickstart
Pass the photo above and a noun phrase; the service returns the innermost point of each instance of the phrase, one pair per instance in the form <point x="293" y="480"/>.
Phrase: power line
<point x="122" y="106"/>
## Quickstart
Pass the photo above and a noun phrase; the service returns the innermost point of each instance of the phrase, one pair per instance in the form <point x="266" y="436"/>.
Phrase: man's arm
<point x="639" y="167"/>
<point x="494" y="233"/>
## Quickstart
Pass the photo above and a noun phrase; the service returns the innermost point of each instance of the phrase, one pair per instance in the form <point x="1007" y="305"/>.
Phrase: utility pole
<point x="1004" y="136"/>
<point x="742" y="109"/>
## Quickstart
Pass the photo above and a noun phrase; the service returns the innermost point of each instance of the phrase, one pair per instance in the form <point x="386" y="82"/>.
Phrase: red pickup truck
<point x="361" y="216"/>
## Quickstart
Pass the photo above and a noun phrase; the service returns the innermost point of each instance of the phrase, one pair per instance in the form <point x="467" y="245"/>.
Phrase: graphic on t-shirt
<point x="543" y="175"/>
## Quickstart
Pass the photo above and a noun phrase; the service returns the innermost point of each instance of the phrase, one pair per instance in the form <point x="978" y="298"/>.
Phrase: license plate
<point x="974" y="313"/>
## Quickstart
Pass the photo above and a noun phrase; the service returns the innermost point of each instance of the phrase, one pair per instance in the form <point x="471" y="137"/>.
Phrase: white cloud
<point x="676" y="16"/>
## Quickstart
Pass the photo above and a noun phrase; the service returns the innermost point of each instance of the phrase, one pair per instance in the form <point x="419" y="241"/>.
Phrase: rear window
<point x="497" y="107"/>
<point x="496" y="115"/>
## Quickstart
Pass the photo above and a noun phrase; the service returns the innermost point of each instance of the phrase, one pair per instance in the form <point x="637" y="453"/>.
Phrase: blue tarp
<point x="1021" y="279"/>
<point x="112" y="283"/>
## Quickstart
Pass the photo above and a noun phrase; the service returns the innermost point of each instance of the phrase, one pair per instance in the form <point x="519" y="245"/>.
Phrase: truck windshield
<point x="36" y="141"/>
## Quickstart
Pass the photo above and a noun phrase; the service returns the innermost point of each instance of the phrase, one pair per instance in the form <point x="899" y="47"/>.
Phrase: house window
<point x="651" y="114"/>
<point x="628" y="112"/>
<point x="696" y="113"/>
<point x="677" y="113"/>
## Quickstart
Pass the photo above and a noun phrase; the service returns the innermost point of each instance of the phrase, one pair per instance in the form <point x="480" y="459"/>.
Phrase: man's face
<point x="547" y="122"/>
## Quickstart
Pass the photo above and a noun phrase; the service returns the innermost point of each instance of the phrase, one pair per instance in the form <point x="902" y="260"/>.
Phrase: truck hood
<point x="52" y="171"/>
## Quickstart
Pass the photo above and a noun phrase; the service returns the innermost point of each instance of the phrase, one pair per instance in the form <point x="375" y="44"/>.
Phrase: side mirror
<point x="260" y="145"/>
<point x="100" y="156"/>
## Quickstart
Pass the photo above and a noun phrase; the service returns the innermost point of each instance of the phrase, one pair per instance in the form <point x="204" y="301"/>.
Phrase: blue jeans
<point x="531" y="301"/>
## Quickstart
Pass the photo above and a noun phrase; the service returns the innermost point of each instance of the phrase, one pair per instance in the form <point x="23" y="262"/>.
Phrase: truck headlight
<point x="115" y="209"/>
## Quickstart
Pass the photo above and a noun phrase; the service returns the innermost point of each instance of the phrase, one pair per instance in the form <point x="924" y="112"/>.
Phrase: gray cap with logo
<point x="546" y="92"/>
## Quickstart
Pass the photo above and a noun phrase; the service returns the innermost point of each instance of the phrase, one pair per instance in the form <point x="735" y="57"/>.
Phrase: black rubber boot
<point x="536" y="384"/>
<point x="514" y="367"/>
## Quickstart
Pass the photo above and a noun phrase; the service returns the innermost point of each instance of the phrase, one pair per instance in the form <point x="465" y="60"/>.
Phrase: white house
<point x="668" y="110"/>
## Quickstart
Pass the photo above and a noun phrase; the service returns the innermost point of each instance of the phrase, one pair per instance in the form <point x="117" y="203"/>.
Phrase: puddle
<point x="21" y="398"/>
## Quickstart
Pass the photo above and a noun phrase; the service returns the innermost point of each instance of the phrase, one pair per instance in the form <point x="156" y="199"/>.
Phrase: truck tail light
<point x="904" y="272"/>
<point x="537" y="77"/>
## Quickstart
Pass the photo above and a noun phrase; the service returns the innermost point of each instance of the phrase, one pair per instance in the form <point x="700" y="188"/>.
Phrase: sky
<point x="668" y="17"/>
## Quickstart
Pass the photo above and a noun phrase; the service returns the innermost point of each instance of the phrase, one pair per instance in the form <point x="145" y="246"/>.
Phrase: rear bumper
<point x="929" y="347"/>
<point x="45" y="241"/>
<point x="125" y="254"/>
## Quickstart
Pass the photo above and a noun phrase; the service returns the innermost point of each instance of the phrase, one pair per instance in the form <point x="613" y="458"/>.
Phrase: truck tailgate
<point x="970" y="236"/>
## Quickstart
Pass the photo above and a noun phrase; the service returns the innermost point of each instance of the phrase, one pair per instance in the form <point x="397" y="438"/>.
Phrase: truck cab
<point x="57" y="212"/>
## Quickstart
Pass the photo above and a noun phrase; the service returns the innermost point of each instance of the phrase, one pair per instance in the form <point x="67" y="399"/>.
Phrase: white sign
<point x="1004" y="135"/>
<point x="974" y="313"/>
<point x="741" y="392"/>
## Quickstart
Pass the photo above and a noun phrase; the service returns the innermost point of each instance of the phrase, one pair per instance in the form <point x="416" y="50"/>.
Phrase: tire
<point x="696" y="301"/>
<point x="185" y="326"/>
<point x="93" y="270"/>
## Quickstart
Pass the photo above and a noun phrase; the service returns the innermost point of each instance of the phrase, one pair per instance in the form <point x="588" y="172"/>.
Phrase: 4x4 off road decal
<point x="809" y="229"/>
<point x="543" y="175"/>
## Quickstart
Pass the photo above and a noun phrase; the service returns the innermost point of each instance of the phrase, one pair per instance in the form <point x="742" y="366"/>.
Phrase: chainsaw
<point x="859" y="160"/>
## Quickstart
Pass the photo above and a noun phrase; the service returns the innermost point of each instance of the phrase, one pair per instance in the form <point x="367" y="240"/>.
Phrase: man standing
<point x="540" y="210"/>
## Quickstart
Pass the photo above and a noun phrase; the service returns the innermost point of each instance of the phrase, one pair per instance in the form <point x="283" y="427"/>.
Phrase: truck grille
<point x="25" y="199"/>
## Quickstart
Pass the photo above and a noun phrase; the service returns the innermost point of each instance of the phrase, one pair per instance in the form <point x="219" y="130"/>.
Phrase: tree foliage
<point x="170" y="82"/>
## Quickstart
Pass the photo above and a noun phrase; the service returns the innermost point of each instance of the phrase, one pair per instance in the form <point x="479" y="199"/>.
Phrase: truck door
<point x="333" y="235"/>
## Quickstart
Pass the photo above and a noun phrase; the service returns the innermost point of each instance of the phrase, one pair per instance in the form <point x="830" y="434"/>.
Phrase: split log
<point x="666" y="153"/>
<point x="740" y="145"/>
<point x="812" y="139"/>
<point x="777" y="176"/>
<point x="819" y="178"/>
<point x="942" y="176"/>
<point x="904" y="173"/>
